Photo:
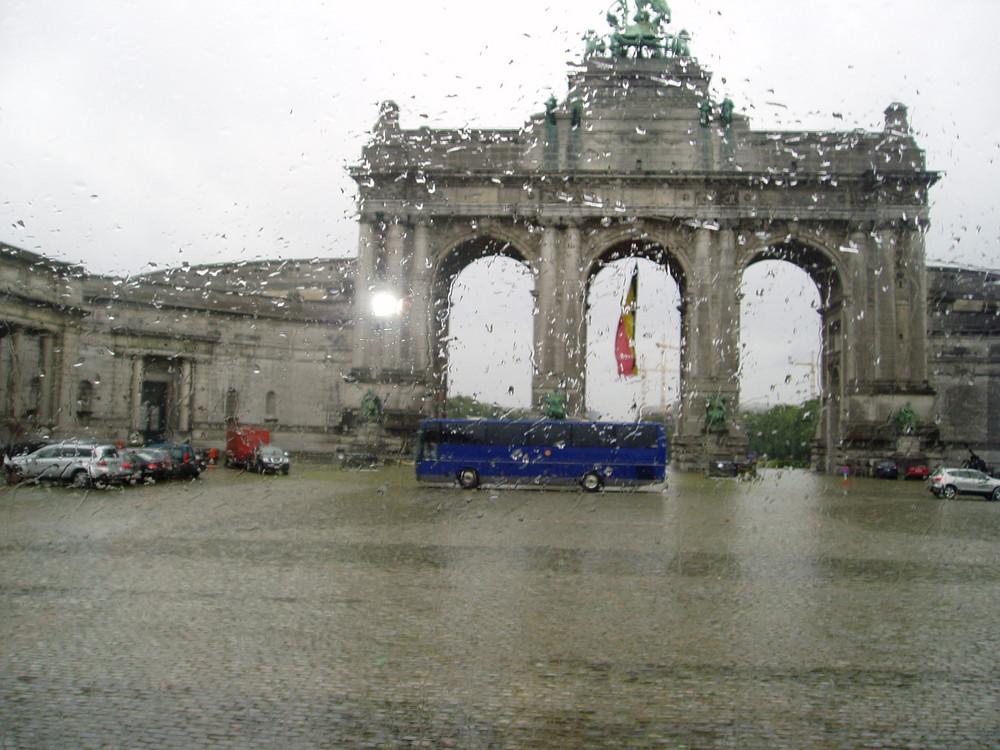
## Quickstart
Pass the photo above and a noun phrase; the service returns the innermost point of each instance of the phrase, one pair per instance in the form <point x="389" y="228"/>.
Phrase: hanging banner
<point x="628" y="365"/>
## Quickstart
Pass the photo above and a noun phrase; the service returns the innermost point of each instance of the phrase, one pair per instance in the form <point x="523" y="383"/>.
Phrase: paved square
<point x="352" y="609"/>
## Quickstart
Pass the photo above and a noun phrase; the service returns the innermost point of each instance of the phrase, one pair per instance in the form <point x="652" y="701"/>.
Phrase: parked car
<point x="184" y="457"/>
<point x="81" y="464"/>
<point x="947" y="483"/>
<point x="148" y="464"/>
<point x="270" y="459"/>
<point x="917" y="471"/>
<point x="24" y="448"/>
<point x="886" y="470"/>
<point x="201" y="459"/>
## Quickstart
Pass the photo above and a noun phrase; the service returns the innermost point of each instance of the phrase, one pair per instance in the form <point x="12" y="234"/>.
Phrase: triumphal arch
<point x="638" y="159"/>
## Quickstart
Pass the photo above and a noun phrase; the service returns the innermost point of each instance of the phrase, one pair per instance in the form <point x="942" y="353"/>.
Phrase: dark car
<point x="184" y="457"/>
<point x="886" y="470"/>
<point x="149" y="464"/>
<point x="270" y="459"/>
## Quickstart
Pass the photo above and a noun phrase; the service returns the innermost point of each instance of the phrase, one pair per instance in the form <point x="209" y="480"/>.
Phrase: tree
<point x="783" y="433"/>
<point x="466" y="407"/>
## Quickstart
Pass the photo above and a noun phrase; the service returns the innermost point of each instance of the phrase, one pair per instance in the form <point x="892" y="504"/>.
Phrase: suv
<point x="270" y="459"/>
<point x="80" y="464"/>
<point x="950" y="482"/>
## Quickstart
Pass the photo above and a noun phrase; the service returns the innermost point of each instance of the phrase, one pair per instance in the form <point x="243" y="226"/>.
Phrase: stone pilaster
<point x="135" y="399"/>
<point x="420" y="295"/>
<point x="548" y="327"/>
<point x="50" y="382"/>
<point x="184" y="400"/>
<point x="363" y="350"/>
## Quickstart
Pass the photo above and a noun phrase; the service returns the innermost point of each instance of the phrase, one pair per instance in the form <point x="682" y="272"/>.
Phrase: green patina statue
<point x="645" y="34"/>
<point x="680" y="44"/>
<point x="593" y="44"/>
<point x="705" y="108"/>
<point x="371" y="407"/>
<point x="726" y="111"/>
<point x="555" y="405"/>
<point x="905" y="419"/>
<point x="715" y="414"/>
<point x="550" y="110"/>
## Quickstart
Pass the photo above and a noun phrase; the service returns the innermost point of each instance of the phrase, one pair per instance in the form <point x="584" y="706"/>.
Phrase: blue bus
<point x="591" y="454"/>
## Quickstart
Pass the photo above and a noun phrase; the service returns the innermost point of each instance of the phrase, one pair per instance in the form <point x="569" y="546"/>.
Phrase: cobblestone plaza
<point x="354" y="609"/>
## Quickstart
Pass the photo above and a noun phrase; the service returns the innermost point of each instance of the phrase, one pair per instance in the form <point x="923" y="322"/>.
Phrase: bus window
<point x="638" y="435"/>
<point x="463" y="433"/>
<point x="544" y="435"/>
<point x="594" y="436"/>
<point x="505" y="434"/>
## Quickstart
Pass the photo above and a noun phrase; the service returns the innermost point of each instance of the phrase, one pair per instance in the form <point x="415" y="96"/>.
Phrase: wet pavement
<point x="355" y="609"/>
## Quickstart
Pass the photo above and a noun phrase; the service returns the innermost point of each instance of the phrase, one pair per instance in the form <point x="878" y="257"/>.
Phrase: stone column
<point x="698" y="332"/>
<point x="724" y="287"/>
<point x="419" y="314"/>
<point x="11" y="372"/>
<point x="914" y="321"/>
<point x="184" y="401"/>
<point x="547" y="328"/>
<point x="573" y="299"/>
<point x="363" y="347"/>
<point x="65" y="390"/>
<point x="135" y="399"/>
<point x="392" y="327"/>
<point x="885" y="293"/>
<point x="49" y="381"/>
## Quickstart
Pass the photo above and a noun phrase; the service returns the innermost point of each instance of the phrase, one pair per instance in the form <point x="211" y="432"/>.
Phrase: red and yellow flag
<point x="625" y="337"/>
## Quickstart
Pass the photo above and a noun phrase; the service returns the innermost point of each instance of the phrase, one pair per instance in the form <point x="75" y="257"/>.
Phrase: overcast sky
<point x="138" y="135"/>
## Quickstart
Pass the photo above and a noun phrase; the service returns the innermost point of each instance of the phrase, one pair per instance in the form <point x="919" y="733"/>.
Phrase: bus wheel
<point x="591" y="481"/>
<point x="468" y="479"/>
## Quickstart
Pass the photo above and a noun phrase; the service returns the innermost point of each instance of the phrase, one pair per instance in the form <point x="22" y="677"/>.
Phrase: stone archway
<point x="640" y="153"/>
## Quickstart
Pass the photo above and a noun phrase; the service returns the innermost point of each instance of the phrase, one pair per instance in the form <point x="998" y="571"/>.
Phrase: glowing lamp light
<point x="386" y="304"/>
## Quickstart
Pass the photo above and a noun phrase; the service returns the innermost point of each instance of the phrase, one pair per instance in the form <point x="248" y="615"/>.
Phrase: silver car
<point x="950" y="482"/>
<point x="80" y="464"/>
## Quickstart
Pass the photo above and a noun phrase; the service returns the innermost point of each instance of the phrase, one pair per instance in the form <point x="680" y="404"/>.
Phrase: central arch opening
<point x="780" y="336"/>
<point x="654" y="390"/>
<point x="490" y="328"/>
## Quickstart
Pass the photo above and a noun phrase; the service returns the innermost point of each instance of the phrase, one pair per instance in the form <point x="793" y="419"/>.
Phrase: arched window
<point x="84" y="399"/>
<point x="271" y="407"/>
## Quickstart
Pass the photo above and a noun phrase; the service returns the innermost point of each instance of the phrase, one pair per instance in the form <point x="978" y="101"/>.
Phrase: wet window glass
<point x="575" y="374"/>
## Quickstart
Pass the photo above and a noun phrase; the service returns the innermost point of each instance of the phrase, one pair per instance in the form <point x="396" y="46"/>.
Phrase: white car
<point x="80" y="464"/>
<point x="950" y="482"/>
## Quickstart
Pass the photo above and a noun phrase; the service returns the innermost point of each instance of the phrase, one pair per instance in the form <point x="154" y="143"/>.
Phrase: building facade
<point x="178" y="354"/>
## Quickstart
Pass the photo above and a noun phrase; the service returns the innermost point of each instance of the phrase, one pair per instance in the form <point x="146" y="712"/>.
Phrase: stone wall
<point x="964" y="336"/>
